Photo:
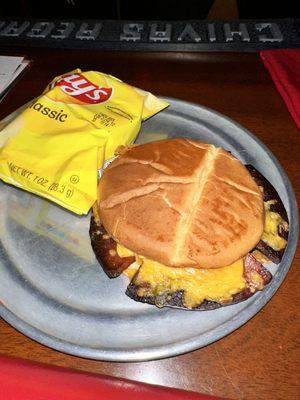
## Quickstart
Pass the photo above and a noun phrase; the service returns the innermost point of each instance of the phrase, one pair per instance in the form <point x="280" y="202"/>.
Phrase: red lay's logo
<point x="76" y="85"/>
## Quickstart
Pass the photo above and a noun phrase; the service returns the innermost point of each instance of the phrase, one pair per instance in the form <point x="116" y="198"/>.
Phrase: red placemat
<point x="24" y="380"/>
<point x="284" y="67"/>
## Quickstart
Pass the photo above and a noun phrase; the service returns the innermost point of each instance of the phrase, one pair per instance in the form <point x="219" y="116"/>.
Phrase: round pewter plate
<point x="53" y="290"/>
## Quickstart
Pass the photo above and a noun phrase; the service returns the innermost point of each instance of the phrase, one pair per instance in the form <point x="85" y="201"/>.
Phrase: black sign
<point x="247" y="35"/>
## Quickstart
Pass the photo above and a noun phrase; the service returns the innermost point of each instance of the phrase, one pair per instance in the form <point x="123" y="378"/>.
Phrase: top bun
<point x="182" y="203"/>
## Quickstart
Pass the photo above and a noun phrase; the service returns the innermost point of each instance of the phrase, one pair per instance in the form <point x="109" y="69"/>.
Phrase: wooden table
<point x="261" y="359"/>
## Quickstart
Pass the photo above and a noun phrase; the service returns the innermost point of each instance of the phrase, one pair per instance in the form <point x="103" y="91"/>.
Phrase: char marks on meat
<point x="105" y="249"/>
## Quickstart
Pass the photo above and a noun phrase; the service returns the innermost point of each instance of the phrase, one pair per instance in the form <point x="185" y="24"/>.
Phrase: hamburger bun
<point x="182" y="203"/>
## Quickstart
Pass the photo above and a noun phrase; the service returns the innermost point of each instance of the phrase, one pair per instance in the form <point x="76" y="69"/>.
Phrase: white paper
<point x="10" y="68"/>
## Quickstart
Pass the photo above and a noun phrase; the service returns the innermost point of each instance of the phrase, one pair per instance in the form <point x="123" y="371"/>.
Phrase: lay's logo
<point x="77" y="86"/>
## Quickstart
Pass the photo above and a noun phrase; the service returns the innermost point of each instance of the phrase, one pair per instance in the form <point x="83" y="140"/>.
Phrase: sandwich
<point x="188" y="224"/>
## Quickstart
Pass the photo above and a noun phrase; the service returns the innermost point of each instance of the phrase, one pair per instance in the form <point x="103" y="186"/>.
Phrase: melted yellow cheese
<point x="123" y="251"/>
<point x="218" y="284"/>
<point x="272" y="222"/>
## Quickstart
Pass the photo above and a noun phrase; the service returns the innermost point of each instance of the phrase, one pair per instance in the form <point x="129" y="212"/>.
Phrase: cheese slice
<point x="197" y="284"/>
<point x="123" y="251"/>
<point x="272" y="223"/>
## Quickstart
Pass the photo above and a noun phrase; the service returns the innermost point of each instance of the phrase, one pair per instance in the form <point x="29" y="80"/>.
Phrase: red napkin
<point x="284" y="67"/>
<point x="23" y="380"/>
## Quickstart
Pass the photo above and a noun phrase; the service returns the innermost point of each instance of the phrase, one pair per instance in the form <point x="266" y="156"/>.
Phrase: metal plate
<point x="53" y="290"/>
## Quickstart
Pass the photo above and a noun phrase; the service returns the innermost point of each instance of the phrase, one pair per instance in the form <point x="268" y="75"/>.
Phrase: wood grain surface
<point x="260" y="360"/>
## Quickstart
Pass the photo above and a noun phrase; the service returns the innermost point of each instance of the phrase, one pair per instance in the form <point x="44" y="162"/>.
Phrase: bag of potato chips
<point x="55" y="146"/>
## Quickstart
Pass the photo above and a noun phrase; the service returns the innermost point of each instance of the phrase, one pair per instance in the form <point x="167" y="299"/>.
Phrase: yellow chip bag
<point x="55" y="146"/>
